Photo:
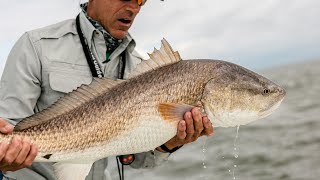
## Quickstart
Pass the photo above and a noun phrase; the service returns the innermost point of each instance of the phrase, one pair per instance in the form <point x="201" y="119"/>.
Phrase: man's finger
<point x="208" y="128"/>
<point x="13" y="151"/>
<point x="189" y="125"/>
<point x="31" y="156"/>
<point x="197" y="122"/>
<point x="26" y="146"/>
<point x="3" y="149"/>
<point x="5" y="127"/>
<point x="181" y="134"/>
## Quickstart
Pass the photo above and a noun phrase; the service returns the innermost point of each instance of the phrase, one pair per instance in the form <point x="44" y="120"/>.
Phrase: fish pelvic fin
<point x="70" y="101"/>
<point x="173" y="111"/>
<point x="67" y="171"/>
<point x="159" y="58"/>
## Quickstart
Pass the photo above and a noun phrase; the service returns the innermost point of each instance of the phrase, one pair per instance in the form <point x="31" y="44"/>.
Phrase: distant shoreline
<point x="300" y="64"/>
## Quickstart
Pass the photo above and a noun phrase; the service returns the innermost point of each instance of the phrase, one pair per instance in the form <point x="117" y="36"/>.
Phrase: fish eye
<point x="266" y="91"/>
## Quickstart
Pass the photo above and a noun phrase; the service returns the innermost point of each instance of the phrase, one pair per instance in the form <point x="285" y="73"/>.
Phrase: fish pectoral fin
<point x="173" y="111"/>
<point x="67" y="171"/>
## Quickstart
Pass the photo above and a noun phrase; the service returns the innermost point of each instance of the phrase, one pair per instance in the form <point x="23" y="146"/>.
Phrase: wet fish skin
<point x="110" y="118"/>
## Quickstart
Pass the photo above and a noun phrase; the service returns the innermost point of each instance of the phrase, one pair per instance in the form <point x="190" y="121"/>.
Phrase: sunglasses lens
<point x="141" y="2"/>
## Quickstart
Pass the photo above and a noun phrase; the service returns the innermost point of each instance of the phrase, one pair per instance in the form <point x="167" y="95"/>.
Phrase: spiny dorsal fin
<point x="158" y="58"/>
<point x="76" y="98"/>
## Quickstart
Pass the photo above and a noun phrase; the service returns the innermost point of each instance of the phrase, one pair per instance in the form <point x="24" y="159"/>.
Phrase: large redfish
<point x="114" y="117"/>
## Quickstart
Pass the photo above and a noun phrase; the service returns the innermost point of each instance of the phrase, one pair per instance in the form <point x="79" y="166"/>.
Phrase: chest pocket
<point x="66" y="77"/>
<point x="60" y="78"/>
<point x="67" y="82"/>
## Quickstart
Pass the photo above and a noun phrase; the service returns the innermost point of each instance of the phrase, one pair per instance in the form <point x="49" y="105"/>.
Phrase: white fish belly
<point x="232" y="119"/>
<point x="149" y="134"/>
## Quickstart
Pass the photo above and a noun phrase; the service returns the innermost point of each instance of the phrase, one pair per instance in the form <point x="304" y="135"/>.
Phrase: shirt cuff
<point x="161" y="155"/>
<point x="150" y="159"/>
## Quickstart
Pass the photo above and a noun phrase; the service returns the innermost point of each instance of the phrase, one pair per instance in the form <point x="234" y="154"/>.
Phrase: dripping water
<point x="204" y="150"/>
<point x="235" y="152"/>
<point x="234" y="143"/>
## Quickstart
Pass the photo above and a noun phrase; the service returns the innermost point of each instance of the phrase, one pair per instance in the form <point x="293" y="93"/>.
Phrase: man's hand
<point x="18" y="154"/>
<point x="190" y="129"/>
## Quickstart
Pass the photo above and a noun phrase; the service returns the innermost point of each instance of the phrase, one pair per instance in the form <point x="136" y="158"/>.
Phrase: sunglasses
<point x="141" y="2"/>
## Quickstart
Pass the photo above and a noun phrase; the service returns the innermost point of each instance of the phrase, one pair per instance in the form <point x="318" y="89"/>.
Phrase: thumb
<point x="5" y="127"/>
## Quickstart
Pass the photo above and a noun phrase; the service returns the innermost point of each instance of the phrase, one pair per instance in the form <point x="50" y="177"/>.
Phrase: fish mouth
<point x="275" y="106"/>
<point x="282" y="93"/>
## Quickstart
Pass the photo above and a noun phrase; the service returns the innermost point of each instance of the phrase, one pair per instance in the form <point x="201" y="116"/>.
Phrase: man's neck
<point x="111" y="42"/>
<point x="91" y="13"/>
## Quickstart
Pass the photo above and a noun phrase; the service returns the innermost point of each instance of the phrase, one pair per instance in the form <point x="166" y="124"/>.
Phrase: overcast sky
<point x="255" y="34"/>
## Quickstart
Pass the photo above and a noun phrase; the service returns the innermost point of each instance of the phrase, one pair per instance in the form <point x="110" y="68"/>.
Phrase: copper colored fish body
<point x="112" y="117"/>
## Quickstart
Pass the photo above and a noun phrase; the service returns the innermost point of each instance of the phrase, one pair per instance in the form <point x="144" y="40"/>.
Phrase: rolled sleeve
<point x="149" y="159"/>
<point x="20" y="82"/>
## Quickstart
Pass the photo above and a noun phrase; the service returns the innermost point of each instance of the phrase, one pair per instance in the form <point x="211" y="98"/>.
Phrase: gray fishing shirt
<point x="47" y="63"/>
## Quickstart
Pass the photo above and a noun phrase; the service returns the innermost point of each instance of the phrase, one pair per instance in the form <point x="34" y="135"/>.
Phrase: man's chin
<point x="119" y="34"/>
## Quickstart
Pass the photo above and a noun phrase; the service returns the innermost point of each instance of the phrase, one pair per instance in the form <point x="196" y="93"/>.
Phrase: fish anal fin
<point x="173" y="111"/>
<point x="158" y="58"/>
<point x="67" y="171"/>
<point x="76" y="98"/>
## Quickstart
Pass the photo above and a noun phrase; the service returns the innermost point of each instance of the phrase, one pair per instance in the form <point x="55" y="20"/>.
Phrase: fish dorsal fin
<point x="76" y="98"/>
<point x="159" y="58"/>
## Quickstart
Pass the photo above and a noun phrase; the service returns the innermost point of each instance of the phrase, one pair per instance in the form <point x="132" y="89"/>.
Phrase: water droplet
<point x="235" y="151"/>
<point x="233" y="174"/>
<point x="204" y="153"/>
<point x="229" y="170"/>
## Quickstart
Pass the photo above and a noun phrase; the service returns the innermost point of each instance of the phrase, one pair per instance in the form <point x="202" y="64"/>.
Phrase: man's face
<point x="116" y="16"/>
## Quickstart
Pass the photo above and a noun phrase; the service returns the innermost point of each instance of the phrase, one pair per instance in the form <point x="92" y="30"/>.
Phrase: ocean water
<point x="283" y="146"/>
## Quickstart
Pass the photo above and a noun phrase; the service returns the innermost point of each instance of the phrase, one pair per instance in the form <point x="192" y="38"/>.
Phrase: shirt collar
<point x="88" y="30"/>
<point x="86" y="27"/>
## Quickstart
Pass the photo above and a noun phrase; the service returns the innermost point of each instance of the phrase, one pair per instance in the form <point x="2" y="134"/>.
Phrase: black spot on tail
<point x="47" y="156"/>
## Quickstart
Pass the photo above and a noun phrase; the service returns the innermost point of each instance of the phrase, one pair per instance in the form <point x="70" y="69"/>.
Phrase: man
<point x="47" y="63"/>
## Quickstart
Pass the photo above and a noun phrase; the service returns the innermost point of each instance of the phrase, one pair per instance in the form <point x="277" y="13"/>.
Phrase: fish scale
<point x="113" y="117"/>
<point x="92" y="127"/>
